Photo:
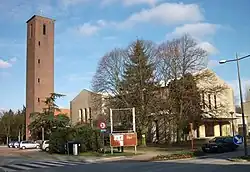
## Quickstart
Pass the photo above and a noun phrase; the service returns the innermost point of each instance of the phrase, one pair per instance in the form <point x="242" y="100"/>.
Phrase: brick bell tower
<point x="39" y="64"/>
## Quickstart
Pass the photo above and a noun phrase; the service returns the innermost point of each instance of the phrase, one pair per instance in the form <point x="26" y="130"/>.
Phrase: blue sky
<point x="86" y="29"/>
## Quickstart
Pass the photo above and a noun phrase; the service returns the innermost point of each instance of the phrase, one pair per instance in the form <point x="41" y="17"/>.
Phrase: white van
<point x="45" y="145"/>
<point x="29" y="145"/>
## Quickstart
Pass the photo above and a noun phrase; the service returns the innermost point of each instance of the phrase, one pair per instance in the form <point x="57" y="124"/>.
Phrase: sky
<point x="86" y="29"/>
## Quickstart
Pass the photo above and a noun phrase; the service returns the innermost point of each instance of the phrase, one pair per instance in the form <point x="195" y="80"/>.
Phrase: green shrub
<point x="88" y="137"/>
<point x="59" y="138"/>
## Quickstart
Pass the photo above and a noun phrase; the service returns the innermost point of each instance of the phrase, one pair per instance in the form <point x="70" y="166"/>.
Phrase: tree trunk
<point x="22" y="133"/>
<point x="178" y="132"/>
<point x="165" y="130"/>
<point x="143" y="136"/>
<point x="179" y="122"/>
<point x="7" y="140"/>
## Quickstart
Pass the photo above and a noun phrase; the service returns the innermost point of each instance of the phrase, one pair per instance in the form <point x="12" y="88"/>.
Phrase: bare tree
<point x="106" y="83"/>
<point x="191" y="57"/>
<point x="180" y="56"/>
<point x="109" y="73"/>
<point x="162" y="62"/>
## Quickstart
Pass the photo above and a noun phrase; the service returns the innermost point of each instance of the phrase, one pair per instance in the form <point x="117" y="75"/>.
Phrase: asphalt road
<point x="173" y="166"/>
<point x="210" y="163"/>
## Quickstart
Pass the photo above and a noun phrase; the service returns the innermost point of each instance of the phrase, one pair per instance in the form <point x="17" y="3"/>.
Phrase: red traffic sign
<point x="102" y="125"/>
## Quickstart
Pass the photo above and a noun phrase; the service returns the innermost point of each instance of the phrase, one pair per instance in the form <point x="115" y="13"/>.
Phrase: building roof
<point x="62" y="111"/>
<point x="166" y="83"/>
<point x="34" y="16"/>
<point x="81" y="92"/>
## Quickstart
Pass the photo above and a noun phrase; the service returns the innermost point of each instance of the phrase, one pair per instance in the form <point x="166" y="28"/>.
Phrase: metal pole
<point x="19" y="135"/>
<point x="111" y="121"/>
<point x="42" y="134"/>
<point x="103" y="142"/>
<point x="111" y="130"/>
<point x="242" y="108"/>
<point x="68" y="147"/>
<point x="232" y="115"/>
<point x="134" y="127"/>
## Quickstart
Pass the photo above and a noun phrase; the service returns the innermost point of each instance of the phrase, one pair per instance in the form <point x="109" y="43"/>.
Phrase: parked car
<point x="40" y="142"/>
<point x="16" y="144"/>
<point x="220" y="145"/>
<point x="11" y="144"/>
<point x="29" y="145"/>
<point x="45" y="145"/>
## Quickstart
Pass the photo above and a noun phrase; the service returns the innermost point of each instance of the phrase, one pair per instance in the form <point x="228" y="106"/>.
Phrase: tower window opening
<point x="44" y="29"/>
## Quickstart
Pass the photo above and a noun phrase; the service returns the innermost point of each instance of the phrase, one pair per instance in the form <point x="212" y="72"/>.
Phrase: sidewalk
<point x="142" y="155"/>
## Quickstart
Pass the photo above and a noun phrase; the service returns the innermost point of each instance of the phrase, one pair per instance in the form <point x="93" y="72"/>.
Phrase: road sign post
<point x="102" y="126"/>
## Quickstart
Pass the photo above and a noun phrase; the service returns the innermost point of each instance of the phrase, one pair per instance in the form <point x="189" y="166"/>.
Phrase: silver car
<point x="16" y="144"/>
<point x="11" y="144"/>
<point x="29" y="145"/>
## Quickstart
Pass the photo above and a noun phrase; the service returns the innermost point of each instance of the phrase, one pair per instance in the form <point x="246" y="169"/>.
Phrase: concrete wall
<point x="238" y="122"/>
<point x="86" y="103"/>
<point x="247" y="112"/>
<point x="224" y="97"/>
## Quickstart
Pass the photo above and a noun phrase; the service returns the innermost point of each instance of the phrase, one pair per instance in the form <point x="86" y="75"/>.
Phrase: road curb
<point x="236" y="160"/>
<point x="109" y="159"/>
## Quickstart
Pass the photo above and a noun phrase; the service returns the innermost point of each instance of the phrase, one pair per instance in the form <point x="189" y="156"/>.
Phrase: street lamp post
<point x="241" y="98"/>
<point x="232" y="116"/>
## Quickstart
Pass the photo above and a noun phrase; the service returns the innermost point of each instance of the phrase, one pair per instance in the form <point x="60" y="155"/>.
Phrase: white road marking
<point x="50" y="163"/>
<point x="20" y="167"/>
<point x="35" y="165"/>
<point x="62" y="163"/>
<point x="38" y="164"/>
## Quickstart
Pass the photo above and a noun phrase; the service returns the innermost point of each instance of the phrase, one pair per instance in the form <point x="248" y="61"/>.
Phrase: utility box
<point x="73" y="147"/>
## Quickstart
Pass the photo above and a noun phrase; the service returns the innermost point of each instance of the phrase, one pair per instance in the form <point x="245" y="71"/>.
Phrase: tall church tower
<point x="39" y="64"/>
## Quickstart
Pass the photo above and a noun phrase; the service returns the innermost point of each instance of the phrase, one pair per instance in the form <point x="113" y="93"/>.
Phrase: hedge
<point x="88" y="137"/>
